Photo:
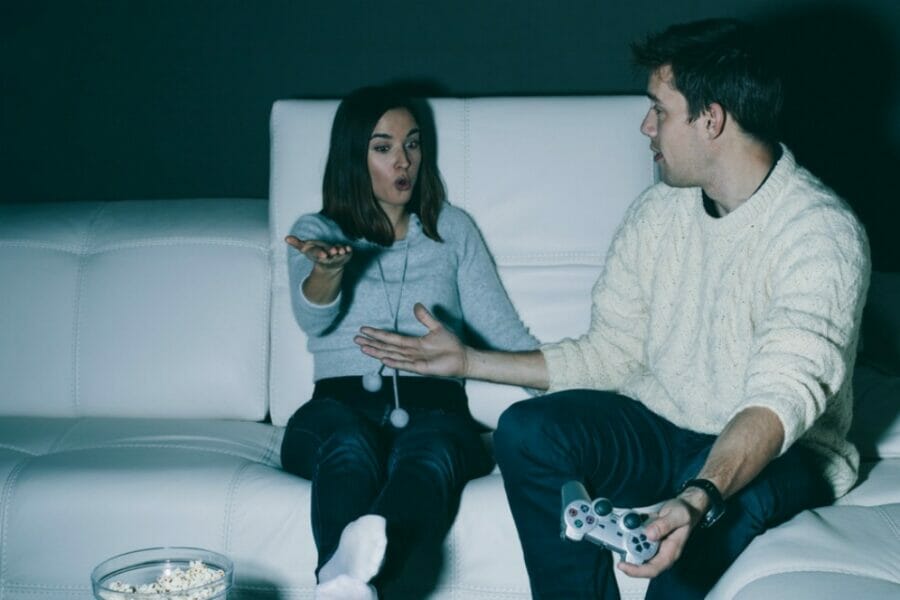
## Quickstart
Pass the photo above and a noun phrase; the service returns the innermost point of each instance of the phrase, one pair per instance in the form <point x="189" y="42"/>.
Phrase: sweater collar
<point x="762" y="199"/>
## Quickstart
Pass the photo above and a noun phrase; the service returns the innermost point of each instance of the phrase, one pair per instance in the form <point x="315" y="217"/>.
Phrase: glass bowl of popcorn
<point x="177" y="573"/>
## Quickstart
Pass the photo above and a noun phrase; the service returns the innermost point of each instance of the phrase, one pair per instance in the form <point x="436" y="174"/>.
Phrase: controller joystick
<point x="632" y="520"/>
<point x="622" y="531"/>
<point x="602" y="507"/>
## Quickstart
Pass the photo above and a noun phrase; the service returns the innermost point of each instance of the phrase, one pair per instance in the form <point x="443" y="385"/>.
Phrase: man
<point x="715" y="375"/>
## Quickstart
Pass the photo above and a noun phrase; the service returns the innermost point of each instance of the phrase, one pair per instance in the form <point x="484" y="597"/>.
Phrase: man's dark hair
<point x="722" y="61"/>
<point x="347" y="196"/>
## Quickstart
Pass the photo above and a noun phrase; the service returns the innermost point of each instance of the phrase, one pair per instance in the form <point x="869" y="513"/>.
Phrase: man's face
<point x="676" y="141"/>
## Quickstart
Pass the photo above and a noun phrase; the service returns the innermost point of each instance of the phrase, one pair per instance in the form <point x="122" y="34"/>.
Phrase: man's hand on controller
<point x="439" y="352"/>
<point x="672" y="526"/>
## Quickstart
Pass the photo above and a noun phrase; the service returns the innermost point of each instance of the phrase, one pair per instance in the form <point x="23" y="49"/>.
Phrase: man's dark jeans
<point x="622" y="451"/>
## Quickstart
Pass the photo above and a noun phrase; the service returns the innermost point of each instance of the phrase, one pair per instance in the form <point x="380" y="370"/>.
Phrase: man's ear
<point x="714" y="118"/>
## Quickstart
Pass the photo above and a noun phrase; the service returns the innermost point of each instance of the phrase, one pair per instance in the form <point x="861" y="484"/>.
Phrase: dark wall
<point x="170" y="98"/>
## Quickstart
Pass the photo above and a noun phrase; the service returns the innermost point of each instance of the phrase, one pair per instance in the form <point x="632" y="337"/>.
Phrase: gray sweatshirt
<point x="455" y="279"/>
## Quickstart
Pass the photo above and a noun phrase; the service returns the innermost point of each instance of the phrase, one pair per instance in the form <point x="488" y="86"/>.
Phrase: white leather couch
<point x="144" y="343"/>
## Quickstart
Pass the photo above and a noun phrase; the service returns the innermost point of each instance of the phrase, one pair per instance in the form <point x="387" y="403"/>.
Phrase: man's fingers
<point x="386" y="357"/>
<point x="660" y="528"/>
<point x="384" y="339"/>
<point x="379" y="350"/>
<point x="393" y="360"/>
<point x="425" y="317"/>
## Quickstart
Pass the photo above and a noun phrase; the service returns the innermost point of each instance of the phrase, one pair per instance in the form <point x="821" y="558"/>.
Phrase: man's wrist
<point x="712" y="508"/>
<point x="696" y="499"/>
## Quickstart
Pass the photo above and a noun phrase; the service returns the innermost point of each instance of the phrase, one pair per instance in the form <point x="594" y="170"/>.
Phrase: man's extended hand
<point x="439" y="352"/>
<point x="671" y="528"/>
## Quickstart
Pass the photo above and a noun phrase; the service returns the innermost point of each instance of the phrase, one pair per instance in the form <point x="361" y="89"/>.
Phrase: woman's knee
<point x="350" y="446"/>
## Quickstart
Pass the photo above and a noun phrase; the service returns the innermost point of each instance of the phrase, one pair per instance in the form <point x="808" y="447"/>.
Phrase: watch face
<point x="712" y="515"/>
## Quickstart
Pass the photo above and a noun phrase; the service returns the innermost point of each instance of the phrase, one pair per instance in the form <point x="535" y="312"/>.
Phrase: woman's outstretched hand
<point x="326" y="256"/>
<point x="438" y="352"/>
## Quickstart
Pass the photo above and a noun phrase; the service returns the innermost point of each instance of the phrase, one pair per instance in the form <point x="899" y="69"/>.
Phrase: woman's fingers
<point x="318" y="251"/>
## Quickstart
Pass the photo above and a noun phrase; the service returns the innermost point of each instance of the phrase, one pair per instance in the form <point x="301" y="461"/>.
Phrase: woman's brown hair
<point x="347" y="196"/>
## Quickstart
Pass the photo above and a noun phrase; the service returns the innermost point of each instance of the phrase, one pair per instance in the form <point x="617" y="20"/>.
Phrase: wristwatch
<point x="716" y="502"/>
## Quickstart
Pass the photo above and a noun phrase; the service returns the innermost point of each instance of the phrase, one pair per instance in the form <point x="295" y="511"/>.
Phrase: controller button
<point x="589" y="519"/>
<point x="579" y="523"/>
<point x="643" y="538"/>
<point x="572" y="512"/>
<point x="585" y="508"/>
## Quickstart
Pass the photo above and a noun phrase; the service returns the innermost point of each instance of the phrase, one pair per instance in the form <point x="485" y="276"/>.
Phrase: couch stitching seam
<point x="76" y="320"/>
<point x="229" y="505"/>
<point x="8" y="487"/>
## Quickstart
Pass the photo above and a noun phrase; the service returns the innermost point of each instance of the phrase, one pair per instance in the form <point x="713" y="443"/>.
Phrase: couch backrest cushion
<point x="139" y="308"/>
<point x="546" y="179"/>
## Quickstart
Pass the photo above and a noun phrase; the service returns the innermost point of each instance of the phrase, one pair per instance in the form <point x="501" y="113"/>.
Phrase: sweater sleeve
<point x="613" y="347"/>
<point x="312" y="318"/>
<point x="491" y="320"/>
<point x="804" y="345"/>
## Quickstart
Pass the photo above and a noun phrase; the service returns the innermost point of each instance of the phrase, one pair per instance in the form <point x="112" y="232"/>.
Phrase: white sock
<point x="344" y="587"/>
<point x="360" y="552"/>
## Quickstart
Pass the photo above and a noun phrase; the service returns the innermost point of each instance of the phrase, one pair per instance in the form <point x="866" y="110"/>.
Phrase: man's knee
<point x="518" y="427"/>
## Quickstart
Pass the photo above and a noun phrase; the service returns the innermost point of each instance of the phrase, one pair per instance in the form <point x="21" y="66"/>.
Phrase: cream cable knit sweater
<point x="700" y="318"/>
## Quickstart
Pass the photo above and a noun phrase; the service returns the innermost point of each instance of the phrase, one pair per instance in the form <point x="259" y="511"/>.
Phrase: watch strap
<point x="716" y="502"/>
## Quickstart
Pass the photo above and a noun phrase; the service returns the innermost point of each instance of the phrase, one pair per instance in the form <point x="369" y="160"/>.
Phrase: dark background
<point x="114" y="99"/>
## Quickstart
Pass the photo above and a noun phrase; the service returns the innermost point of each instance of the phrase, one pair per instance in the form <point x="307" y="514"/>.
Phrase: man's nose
<point x="648" y="125"/>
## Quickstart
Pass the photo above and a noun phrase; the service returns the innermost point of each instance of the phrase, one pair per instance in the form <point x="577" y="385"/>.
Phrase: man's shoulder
<point x="809" y="200"/>
<point x="659" y="203"/>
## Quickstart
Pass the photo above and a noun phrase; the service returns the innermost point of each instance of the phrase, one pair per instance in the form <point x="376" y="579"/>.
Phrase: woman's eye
<point x="412" y="144"/>
<point x="381" y="148"/>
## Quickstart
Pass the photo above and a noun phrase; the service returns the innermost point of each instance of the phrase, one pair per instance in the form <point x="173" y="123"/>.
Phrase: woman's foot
<point x="359" y="553"/>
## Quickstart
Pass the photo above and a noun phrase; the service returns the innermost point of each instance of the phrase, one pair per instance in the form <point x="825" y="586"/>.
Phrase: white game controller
<point x="621" y="531"/>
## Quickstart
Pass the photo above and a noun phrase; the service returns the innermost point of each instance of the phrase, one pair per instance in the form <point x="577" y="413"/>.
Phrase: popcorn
<point x="172" y="581"/>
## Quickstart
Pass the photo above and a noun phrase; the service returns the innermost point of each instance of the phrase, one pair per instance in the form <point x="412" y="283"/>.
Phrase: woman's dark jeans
<point x="622" y="451"/>
<point x="359" y="464"/>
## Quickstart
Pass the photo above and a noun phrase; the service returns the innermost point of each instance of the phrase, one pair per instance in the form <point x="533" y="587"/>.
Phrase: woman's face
<point x="394" y="158"/>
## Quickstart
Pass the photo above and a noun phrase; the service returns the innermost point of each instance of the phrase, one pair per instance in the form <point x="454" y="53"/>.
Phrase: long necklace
<point x="372" y="381"/>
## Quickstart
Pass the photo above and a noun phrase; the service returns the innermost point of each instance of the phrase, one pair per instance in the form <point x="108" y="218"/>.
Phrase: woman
<point x="388" y="456"/>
